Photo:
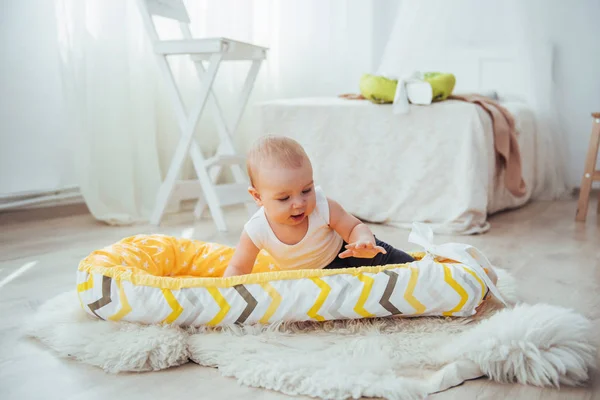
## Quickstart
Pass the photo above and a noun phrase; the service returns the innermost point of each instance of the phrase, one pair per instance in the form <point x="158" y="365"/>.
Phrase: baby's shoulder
<point x="256" y="227"/>
<point x="257" y="219"/>
<point x="322" y="206"/>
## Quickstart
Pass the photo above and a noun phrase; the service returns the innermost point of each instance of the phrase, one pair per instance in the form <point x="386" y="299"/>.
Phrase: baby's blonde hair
<point x="276" y="150"/>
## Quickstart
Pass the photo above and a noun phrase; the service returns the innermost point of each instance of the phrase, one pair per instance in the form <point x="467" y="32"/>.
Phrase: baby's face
<point x="287" y="194"/>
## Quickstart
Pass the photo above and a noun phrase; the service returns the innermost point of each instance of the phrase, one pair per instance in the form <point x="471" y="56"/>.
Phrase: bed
<point x="435" y="164"/>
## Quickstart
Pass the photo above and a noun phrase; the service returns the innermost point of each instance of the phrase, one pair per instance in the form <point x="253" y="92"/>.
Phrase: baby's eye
<point x="306" y="191"/>
<point x="284" y="199"/>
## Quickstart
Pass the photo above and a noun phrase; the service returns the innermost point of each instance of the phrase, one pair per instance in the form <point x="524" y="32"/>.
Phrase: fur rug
<point x="393" y="358"/>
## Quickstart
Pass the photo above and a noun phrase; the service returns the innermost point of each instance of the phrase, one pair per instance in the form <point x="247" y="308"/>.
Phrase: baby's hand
<point x="362" y="249"/>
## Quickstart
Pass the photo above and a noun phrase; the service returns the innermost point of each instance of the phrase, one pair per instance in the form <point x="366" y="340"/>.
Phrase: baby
<point x="297" y="224"/>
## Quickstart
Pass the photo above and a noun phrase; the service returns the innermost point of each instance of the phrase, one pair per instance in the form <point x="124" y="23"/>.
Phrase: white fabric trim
<point x="470" y="256"/>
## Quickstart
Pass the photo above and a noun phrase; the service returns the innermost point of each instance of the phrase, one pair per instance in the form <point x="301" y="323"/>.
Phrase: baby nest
<point x="157" y="279"/>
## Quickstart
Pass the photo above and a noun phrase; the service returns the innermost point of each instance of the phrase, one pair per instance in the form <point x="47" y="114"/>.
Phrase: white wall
<point x="574" y="28"/>
<point x="384" y="15"/>
<point x="34" y="150"/>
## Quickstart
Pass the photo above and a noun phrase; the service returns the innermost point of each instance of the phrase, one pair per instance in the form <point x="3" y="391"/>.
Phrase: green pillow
<point x="381" y="90"/>
<point x="442" y="84"/>
<point x="378" y="89"/>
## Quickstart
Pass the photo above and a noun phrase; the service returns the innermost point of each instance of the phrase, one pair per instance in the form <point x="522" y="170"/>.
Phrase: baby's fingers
<point x="380" y="249"/>
<point x="346" y="254"/>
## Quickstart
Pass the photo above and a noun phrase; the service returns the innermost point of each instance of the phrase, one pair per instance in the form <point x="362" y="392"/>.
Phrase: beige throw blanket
<point x="508" y="156"/>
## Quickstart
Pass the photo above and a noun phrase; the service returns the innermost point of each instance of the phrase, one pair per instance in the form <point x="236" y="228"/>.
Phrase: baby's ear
<point x="255" y="195"/>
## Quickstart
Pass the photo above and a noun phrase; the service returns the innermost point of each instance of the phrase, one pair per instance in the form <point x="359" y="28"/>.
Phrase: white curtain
<point x="123" y="130"/>
<point x="425" y="26"/>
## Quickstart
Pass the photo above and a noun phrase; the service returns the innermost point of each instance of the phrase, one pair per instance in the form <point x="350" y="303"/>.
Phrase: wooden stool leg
<point x="598" y="211"/>
<point x="589" y="172"/>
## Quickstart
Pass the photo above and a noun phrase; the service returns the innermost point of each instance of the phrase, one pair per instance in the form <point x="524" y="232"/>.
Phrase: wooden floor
<point x="556" y="261"/>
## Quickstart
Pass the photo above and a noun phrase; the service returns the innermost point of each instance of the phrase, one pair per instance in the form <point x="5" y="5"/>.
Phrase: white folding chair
<point x="208" y="170"/>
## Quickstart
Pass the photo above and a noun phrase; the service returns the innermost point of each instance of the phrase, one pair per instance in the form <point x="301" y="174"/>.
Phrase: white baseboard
<point x="41" y="200"/>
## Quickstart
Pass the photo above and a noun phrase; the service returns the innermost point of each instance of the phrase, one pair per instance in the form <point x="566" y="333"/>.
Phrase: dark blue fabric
<point x="393" y="256"/>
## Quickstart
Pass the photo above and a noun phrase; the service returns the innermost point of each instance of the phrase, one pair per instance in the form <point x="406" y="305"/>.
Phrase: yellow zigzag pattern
<point x="276" y="300"/>
<point x="175" y="306"/>
<point x="478" y="280"/>
<point x="82" y="287"/>
<point x="222" y="303"/>
<point x="325" y="289"/>
<point x="125" y="307"/>
<point x="464" y="296"/>
<point x="364" y="295"/>
<point x="87" y="285"/>
<point x="408" y="295"/>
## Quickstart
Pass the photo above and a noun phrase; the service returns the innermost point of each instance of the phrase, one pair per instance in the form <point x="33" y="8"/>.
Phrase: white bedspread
<point x="435" y="164"/>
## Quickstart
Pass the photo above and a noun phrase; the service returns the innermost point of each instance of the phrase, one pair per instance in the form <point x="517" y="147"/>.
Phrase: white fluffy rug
<point x="392" y="358"/>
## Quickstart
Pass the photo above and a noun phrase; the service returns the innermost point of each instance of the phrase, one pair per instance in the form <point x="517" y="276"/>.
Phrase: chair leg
<point x="166" y="188"/>
<point x="226" y="130"/>
<point x="187" y="125"/>
<point x="589" y="171"/>
<point x="208" y="190"/>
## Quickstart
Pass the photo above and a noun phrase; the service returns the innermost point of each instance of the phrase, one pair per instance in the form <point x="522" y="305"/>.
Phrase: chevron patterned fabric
<point x="157" y="279"/>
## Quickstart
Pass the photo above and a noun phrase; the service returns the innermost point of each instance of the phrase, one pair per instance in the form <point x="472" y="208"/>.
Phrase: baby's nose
<point x="299" y="203"/>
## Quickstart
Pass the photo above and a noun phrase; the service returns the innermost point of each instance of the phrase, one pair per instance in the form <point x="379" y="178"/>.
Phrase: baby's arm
<point x="243" y="258"/>
<point x="360" y="239"/>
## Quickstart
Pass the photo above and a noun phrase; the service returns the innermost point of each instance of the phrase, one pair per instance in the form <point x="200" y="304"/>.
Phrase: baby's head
<point x="281" y="179"/>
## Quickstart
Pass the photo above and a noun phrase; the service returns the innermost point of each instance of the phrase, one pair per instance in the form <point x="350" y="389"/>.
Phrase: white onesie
<point x="316" y="250"/>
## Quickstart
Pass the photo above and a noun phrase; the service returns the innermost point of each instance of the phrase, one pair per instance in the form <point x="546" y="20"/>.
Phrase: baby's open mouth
<point x="298" y="217"/>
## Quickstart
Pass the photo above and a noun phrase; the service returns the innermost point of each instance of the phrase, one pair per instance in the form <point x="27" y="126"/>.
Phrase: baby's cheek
<point x="283" y="211"/>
